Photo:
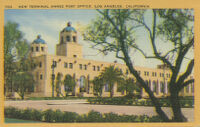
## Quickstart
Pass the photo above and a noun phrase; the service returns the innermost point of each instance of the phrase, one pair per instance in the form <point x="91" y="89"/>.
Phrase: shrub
<point x="37" y="115"/>
<point x="26" y="114"/>
<point x="58" y="116"/>
<point x="111" y="117"/>
<point x="94" y="116"/>
<point x="69" y="116"/>
<point x="49" y="115"/>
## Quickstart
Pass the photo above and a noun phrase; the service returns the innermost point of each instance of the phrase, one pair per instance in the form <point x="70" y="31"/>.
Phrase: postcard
<point x="99" y="63"/>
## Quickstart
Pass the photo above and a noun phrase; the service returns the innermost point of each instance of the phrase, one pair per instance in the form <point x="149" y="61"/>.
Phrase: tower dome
<point x="69" y="28"/>
<point x="38" y="47"/>
<point x="39" y="40"/>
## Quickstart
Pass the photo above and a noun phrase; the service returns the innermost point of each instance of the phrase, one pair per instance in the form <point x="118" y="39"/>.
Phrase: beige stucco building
<point x="69" y="61"/>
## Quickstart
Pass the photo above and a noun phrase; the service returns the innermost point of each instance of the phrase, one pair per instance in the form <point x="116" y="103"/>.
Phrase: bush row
<point x="58" y="116"/>
<point x="185" y="103"/>
<point x="57" y="98"/>
<point x="111" y="101"/>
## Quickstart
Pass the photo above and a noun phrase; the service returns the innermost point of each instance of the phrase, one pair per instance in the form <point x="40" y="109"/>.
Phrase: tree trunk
<point x="176" y="108"/>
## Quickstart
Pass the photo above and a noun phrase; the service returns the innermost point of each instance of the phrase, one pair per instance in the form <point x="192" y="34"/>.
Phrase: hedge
<point x="56" y="116"/>
<point x="185" y="103"/>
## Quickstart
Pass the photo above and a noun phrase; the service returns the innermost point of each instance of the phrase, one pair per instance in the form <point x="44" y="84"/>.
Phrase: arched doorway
<point x="83" y="84"/>
<point x="154" y="86"/>
<point x="69" y="85"/>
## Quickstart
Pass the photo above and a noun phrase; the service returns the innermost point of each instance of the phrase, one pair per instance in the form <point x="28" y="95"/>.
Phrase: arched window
<point x="106" y="87"/>
<point x="68" y="39"/>
<point x="69" y="84"/>
<point x="82" y="84"/>
<point x="162" y="87"/>
<point x="74" y="38"/>
<point x="154" y="86"/>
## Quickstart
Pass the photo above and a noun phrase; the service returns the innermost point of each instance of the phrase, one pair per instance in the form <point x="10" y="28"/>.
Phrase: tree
<point x="113" y="31"/>
<point x="16" y="54"/>
<point x="58" y="84"/>
<point x="129" y="86"/>
<point x="12" y="35"/>
<point x="69" y="84"/>
<point x="23" y="82"/>
<point x="17" y="62"/>
<point x="110" y="76"/>
<point x="98" y="86"/>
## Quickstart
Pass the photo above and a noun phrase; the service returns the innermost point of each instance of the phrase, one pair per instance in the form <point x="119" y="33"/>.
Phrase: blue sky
<point x="48" y="23"/>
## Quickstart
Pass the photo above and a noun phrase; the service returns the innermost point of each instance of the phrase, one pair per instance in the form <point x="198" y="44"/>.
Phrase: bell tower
<point x="38" y="47"/>
<point x="68" y="43"/>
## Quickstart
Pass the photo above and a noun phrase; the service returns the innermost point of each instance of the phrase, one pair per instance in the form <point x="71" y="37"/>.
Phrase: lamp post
<point x="53" y="66"/>
<point x="53" y="76"/>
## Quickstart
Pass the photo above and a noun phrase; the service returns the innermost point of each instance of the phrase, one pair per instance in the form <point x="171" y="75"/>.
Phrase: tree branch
<point x="186" y="74"/>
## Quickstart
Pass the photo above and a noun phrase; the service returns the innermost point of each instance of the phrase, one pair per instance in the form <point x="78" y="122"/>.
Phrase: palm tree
<point x="129" y="86"/>
<point x="110" y="76"/>
<point x="98" y="86"/>
<point x="69" y="84"/>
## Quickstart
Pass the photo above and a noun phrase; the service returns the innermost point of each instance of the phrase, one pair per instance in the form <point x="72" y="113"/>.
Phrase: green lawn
<point x="11" y="120"/>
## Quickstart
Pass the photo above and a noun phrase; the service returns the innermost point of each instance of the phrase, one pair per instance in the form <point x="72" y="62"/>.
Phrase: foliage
<point x="69" y="84"/>
<point x="113" y="31"/>
<point x="111" y="101"/>
<point x="23" y="82"/>
<point x="98" y="86"/>
<point x="11" y="36"/>
<point x="164" y="102"/>
<point x="58" y="84"/>
<point x="17" y="62"/>
<point x="129" y="86"/>
<point x="110" y="76"/>
<point x="55" y="116"/>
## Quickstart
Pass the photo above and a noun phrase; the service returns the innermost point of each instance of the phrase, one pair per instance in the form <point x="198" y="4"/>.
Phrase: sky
<point x="48" y="24"/>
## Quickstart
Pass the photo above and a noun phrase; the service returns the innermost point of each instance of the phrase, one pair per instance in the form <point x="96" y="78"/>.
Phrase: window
<point x="42" y="48"/>
<point x="40" y="65"/>
<point x="37" y="49"/>
<point x="80" y="66"/>
<point x="106" y="88"/>
<point x="146" y="73"/>
<point x="70" y="65"/>
<point x="98" y="68"/>
<point x="74" y="56"/>
<point x="41" y="77"/>
<point x="74" y="38"/>
<point x="85" y="67"/>
<point x="155" y="74"/>
<point x="94" y="68"/>
<point x="68" y="38"/>
<point x="32" y="49"/>
<point x="66" y="65"/>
